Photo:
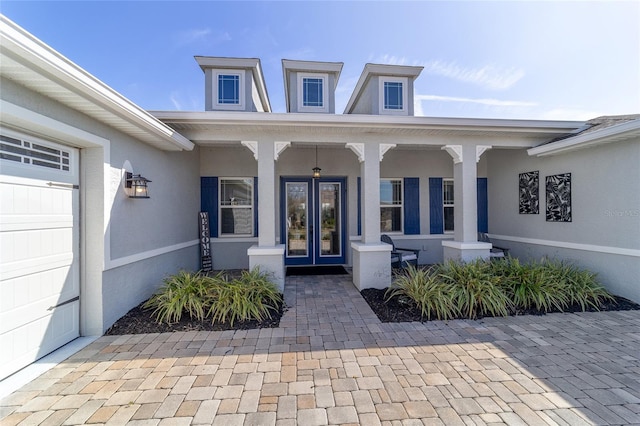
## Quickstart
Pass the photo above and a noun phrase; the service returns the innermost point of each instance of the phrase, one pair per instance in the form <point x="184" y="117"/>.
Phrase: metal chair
<point x="496" y="252"/>
<point x="400" y="257"/>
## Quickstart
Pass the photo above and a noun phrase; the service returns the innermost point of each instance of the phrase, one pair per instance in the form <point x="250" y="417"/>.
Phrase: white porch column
<point x="267" y="255"/>
<point x="465" y="245"/>
<point x="371" y="258"/>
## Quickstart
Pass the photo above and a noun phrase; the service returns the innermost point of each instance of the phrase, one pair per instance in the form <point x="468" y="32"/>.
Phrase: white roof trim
<point x="610" y="134"/>
<point x="41" y="59"/>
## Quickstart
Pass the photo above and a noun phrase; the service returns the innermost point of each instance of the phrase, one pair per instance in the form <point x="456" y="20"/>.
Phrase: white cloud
<point x="195" y="35"/>
<point x="482" y="101"/>
<point x="488" y="76"/>
<point x="570" y="114"/>
<point x="174" y="100"/>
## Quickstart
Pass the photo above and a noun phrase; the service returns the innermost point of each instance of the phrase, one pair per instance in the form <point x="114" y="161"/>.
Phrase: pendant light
<point x="316" y="169"/>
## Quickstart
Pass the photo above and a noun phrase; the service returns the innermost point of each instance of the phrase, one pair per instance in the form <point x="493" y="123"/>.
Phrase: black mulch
<point x="402" y="309"/>
<point x="139" y="321"/>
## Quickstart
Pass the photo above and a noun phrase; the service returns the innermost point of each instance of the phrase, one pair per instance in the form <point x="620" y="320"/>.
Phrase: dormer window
<point x="312" y="92"/>
<point x="393" y="95"/>
<point x="228" y="87"/>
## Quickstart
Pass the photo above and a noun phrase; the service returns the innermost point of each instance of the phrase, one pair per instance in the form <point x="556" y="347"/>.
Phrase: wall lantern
<point x="316" y="169"/>
<point x="136" y="185"/>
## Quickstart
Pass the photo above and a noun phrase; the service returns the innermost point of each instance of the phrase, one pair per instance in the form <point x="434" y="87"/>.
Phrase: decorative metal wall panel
<point x="559" y="198"/>
<point x="529" y="189"/>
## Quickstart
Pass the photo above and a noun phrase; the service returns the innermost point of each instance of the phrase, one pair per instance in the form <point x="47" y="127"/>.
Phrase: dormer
<point x="311" y="86"/>
<point x="234" y="84"/>
<point x="384" y="90"/>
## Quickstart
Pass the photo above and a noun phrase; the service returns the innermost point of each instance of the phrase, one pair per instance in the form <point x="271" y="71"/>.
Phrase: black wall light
<point x="136" y="185"/>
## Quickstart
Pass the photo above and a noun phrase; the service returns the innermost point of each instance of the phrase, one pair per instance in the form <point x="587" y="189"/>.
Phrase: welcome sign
<point x="206" y="262"/>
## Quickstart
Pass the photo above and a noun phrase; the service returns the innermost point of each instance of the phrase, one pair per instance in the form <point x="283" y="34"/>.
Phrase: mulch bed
<point x="139" y="321"/>
<point x="402" y="309"/>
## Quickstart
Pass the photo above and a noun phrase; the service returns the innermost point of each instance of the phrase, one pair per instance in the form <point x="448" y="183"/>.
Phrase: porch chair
<point x="496" y="252"/>
<point x="400" y="257"/>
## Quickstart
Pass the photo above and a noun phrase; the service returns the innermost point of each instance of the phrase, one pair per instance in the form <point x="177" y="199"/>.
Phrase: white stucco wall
<point x="604" y="234"/>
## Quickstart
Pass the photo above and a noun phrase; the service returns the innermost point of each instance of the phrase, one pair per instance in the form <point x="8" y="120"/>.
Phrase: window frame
<point x="445" y="204"/>
<point x="251" y="206"/>
<point x="325" y="92"/>
<point x="216" y="79"/>
<point x="400" y="206"/>
<point x="381" y="87"/>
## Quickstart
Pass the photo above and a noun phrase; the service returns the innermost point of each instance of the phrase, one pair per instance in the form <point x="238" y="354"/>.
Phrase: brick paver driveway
<point x="332" y="362"/>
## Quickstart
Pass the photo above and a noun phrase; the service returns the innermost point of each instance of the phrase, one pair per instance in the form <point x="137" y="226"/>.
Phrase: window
<point x="393" y="95"/>
<point x="447" y="204"/>
<point x="228" y="89"/>
<point x="391" y="205"/>
<point x="312" y="92"/>
<point x="236" y="206"/>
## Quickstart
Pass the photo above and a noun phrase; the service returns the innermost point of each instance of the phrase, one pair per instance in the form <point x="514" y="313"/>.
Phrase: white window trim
<point x="325" y="92"/>
<point x="220" y="207"/>
<point x="405" y="98"/>
<point x="453" y="204"/>
<point x="238" y="106"/>
<point x="401" y="205"/>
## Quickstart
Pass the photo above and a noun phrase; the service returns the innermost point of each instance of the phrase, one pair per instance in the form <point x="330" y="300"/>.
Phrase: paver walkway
<point x="332" y="362"/>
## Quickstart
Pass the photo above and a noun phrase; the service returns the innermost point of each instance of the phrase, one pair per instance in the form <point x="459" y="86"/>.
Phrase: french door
<point x="312" y="220"/>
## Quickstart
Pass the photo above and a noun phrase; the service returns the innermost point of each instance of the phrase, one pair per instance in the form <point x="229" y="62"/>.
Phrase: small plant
<point x="252" y="296"/>
<point x="475" y="289"/>
<point x="426" y="290"/>
<point x="182" y="292"/>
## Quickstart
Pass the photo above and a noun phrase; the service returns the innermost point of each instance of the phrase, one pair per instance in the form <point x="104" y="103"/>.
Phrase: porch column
<point x="371" y="258"/>
<point x="465" y="245"/>
<point x="267" y="255"/>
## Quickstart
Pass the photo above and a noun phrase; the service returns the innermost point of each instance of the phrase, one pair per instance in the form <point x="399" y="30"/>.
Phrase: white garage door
<point x="39" y="249"/>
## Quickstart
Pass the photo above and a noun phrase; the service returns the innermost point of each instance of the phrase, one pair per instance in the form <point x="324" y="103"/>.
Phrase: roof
<point x="33" y="64"/>
<point x="252" y="64"/>
<point x="597" y="131"/>
<point x="379" y="69"/>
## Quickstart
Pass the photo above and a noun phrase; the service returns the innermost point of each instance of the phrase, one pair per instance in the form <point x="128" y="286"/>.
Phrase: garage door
<point x="39" y="249"/>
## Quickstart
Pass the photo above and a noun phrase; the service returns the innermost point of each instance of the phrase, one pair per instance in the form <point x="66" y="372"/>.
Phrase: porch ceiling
<point x="213" y="128"/>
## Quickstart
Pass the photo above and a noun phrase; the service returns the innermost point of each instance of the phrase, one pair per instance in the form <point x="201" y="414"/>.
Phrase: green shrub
<point x="476" y="290"/>
<point x="579" y="286"/>
<point x="182" y="292"/>
<point x="252" y="296"/>
<point x="432" y="296"/>
<point x="531" y="285"/>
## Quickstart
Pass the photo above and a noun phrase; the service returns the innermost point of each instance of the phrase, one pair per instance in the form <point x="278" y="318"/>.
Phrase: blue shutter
<point x="359" y="185"/>
<point x="483" y="206"/>
<point x="411" y="206"/>
<point x="436" y="221"/>
<point x="255" y="206"/>
<point x="209" y="202"/>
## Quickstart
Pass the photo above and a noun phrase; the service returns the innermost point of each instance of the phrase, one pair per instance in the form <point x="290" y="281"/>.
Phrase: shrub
<point x="182" y="292"/>
<point x="432" y="296"/>
<point x="252" y="296"/>
<point x="476" y="290"/>
<point x="579" y="286"/>
<point x="531" y="285"/>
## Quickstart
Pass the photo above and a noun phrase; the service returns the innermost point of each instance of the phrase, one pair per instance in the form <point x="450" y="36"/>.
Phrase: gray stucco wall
<point x="136" y="229"/>
<point x="605" y="192"/>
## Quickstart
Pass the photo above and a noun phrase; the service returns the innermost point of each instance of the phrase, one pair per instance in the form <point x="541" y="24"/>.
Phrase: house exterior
<point x="78" y="251"/>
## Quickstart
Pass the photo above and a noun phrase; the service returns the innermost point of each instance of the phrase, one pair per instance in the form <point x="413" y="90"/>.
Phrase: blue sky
<point x="535" y="60"/>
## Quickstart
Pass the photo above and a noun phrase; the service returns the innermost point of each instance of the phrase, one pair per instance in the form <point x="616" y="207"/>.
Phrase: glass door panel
<point x="297" y="219"/>
<point x="330" y="226"/>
